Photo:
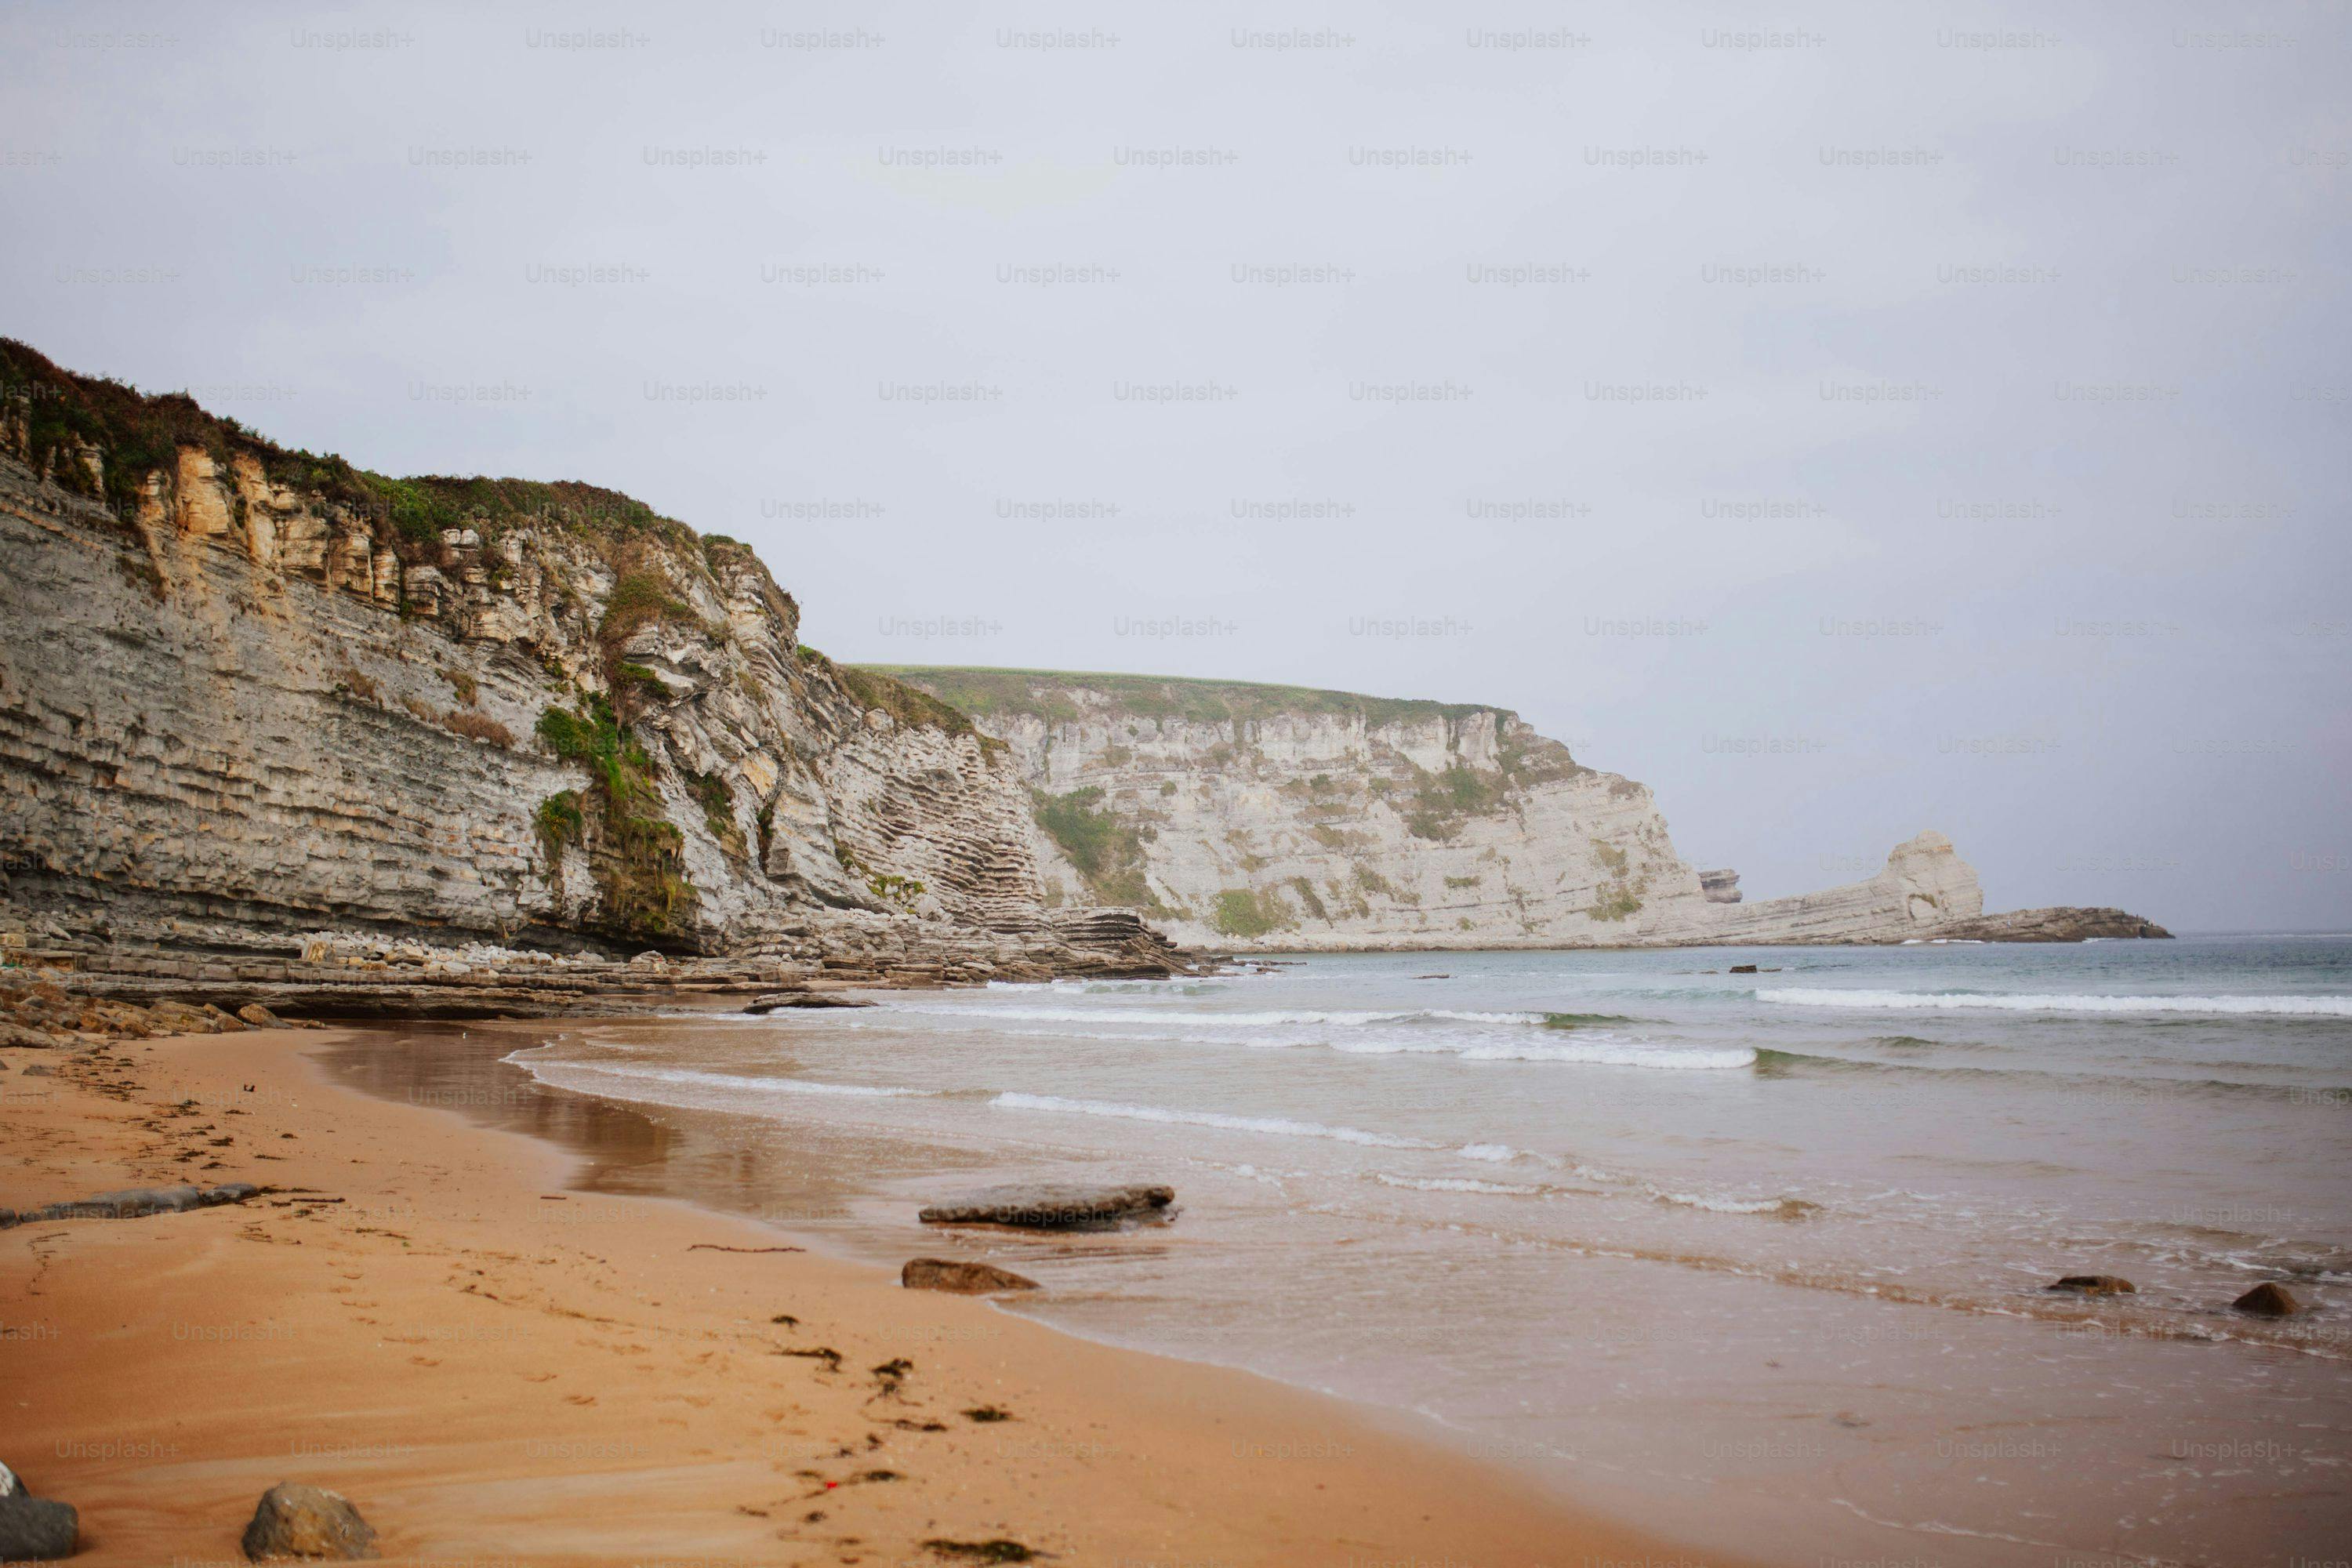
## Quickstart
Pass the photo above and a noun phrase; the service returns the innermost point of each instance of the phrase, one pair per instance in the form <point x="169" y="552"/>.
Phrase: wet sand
<point x="495" y="1366"/>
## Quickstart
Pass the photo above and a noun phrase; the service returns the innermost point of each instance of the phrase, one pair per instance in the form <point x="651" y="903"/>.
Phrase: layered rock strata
<point x="249" y="695"/>
<point x="1280" y="818"/>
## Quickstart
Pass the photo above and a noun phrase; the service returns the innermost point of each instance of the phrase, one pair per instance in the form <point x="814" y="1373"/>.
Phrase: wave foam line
<point x="1456" y="1184"/>
<point x="2296" y="1006"/>
<point x="1278" y="1126"/>
<point x="1343" y="1019"/>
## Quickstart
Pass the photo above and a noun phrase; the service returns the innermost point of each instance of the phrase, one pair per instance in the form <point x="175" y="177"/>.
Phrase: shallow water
<point x="1754" y="1259"/>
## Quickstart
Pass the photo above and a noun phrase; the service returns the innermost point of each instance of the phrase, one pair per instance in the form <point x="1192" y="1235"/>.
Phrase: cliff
<point x="1281" y="817"/>
<point x="266" y="693"/>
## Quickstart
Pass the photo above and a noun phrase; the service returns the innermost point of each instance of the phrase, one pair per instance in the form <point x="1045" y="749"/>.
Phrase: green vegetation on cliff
<point x="636" y="866"/>
<point x="136" y="434"/>
<point x="1108" y="852"/>
<point x="1247" y="912"/>
<point x="871" y="686"/>
<point x="1046" y="694"/>
<point x="1445" y="801"/>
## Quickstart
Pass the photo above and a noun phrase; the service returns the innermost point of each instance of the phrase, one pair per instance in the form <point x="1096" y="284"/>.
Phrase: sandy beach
<point x="420" y="1315"/>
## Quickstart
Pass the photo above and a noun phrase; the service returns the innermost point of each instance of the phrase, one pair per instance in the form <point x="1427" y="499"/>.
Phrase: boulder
<point x="2094" y="1285"/>
<point x="259" y="1016"/>
<point x="959" y="1277"/>
<point x="182" y="1019"/>
<point x="296" y="1520"/>
<point x="38" y="1070"/>
<point x="2268" y="1301"/>
<point x="1053" y="1205"/>
<point x="36" y="1530"/>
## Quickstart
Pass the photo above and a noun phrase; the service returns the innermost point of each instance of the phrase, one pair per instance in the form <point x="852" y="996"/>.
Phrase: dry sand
<point x="497" y="1370"/>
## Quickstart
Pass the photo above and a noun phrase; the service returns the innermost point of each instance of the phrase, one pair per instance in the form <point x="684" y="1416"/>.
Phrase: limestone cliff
<point x="1280" y="817"/>
<point x="254" y="687"/>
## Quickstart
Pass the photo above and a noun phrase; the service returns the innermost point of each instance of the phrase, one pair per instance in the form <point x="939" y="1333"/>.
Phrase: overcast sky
<point x="1846" y="418"/>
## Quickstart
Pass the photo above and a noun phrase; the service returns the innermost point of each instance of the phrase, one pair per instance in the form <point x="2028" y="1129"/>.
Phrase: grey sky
<point x="2050" y="553"/>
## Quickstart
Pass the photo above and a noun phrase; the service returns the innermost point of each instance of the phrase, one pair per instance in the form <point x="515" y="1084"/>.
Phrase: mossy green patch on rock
<point x="1248" y="912"/>
<point x="558" y="822"/>
<point x="637" y="857"/>
<point x="1107" y="851"/>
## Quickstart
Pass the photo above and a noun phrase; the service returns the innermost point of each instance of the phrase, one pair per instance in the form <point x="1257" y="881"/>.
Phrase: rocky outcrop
<point x="2053" y="925"/>
<point x="1922" y="890"/>
<point x="248" y="696"/>
<point x="1272" y="817"/>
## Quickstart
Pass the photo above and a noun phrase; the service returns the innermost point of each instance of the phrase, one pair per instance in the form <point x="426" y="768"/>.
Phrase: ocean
<point x="1757" y="1261"/>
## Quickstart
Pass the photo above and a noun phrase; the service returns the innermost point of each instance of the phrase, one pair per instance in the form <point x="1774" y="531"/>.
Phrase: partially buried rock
<point x="2268" y="1301"/>
<point x="1053" y="1205"/>
<point x="776" y="999"/>
<point x="130" y="1203"/>
<point x="296" y="1520"/>
<point x="960" y="1278"/>
<point x="36" y="1530"/>
<point x="2094" y="1285"/>
<point x="259" y="1016"/>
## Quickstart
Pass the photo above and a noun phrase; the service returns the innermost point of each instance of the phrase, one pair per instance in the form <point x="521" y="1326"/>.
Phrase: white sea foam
<point x="739" y="1081"/>
<point x="1498" y="1152"/>
<point x="1589" y="1050"/>
<point x="1455" y="1184"/>
<point x="1278" y="1126"/>
<point x="2304" y="1007"/>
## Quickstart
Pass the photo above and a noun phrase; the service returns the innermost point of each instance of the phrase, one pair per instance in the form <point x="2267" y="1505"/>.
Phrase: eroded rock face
<point x="228" y="698"/>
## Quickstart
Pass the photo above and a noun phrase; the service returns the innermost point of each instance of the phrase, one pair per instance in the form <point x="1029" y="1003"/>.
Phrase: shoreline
<point x="495" y="1366"/>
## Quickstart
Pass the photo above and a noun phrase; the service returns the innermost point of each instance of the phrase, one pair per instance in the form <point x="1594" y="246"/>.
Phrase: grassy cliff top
<point x="138" y="432"/>
<point x="1046" y="694"/>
